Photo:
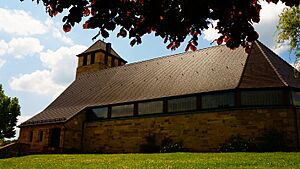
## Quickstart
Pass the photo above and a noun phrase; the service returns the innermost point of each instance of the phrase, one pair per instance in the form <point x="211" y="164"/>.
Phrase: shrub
<point x="272" y="140"/>
<point x="167" y="146"/>
<point x="150" y="146"/>
<point x="237" y="144"/>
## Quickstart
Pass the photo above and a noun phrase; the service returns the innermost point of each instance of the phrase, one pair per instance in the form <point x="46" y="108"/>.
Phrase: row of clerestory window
<point x="209" y="101"/>
<point x="107" y="60"/>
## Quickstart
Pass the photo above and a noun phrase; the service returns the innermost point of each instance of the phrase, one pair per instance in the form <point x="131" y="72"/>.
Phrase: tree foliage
<point x="172" y="20"/>
<point x="289" y="29"/>
<point x="9" y="111"/>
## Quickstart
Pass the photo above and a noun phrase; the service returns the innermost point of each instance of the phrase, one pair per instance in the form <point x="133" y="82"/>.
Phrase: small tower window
<point x="112" y="62"/>
<point x="84" y="63"/>
<point x="92" y="58"/>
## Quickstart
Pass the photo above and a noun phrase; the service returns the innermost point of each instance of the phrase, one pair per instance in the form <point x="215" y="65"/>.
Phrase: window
<point x="97" y="113"/>
<point x="151" y="107"/>
<point x="92" y="58"/>
<point x="41" y="135"/>
<point x="259" y="98"/>
<point x="218" y="100"/>
<point x="122" y="111"/>
<point x="112" y="62"/>
<point x="182" y="104"/>
<point x="105" y="59"/>
<point x="296" y="98"/>
<point x="30" y="136"/>
<point x="84" y="63"/>
<point x="116" y="62"/>
<point x="109" y="61"/>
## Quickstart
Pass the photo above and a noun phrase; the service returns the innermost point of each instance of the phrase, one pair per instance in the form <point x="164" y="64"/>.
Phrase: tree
<point x="9" y="111"/>
<point x="288" y="29"/>
<point x="172" y="20"/>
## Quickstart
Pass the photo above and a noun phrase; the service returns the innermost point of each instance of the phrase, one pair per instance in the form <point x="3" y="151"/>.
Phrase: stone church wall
<point x="203" y="131"/>
<point x="70" y="136"/>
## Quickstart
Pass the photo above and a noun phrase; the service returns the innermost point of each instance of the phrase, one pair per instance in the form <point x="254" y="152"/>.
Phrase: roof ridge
<point x="173" y="55"/>
<point x="244" y="68"/>
<point x="271" y="64"/>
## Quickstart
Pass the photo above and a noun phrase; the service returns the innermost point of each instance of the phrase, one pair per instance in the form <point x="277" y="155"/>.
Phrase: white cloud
<point x="39" y="82"/>
<point x="3" y="47"/>
<point x="2" y="62"/>
<point x="211" y="33"/>
<point x="22" y="119"/>
<point x="281" y="49"/>
<point x="269" y="16"/>
<point x="62" y="63"/>
<point x="21" y="47"/>
<point x="60" y="71"/>
<point x="19" y="22"/>
<point x="58" y="33"/>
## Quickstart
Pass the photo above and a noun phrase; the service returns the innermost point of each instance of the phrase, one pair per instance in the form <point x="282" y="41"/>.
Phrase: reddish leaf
<point x="192" y="47"/>
<point x="67" y="27"/>
<point x="85" y="25"/>
<point x="86" y="12"/>
<point x="170" y="45"/>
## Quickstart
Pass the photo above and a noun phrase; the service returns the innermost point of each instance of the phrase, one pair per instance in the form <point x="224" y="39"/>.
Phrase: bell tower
<point x="97" y="57"/>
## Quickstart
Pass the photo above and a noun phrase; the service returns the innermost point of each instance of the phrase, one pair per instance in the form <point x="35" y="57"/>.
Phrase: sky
<point x="38" y="60"/>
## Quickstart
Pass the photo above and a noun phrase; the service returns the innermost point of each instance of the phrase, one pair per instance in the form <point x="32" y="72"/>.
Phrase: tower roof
<point x="211" y="69"/>
<point x="100" y="46"/>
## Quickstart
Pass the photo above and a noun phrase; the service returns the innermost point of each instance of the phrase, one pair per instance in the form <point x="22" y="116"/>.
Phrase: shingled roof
<point x="211" y="69"/>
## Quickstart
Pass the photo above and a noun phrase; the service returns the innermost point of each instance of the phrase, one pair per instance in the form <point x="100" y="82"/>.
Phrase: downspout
<point x="296" y="119"/>
<point x="82" y="135"/>
<point x="297" y="127"/>
<point x="63" y="146"/>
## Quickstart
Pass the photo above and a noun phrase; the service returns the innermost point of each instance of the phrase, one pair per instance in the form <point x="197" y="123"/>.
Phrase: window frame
<point x="122" y="116"/>
<point x="219" y="94"/>
<point x="181" y="98"/>
<point x="284" y="97"/>
<point x="150" y="101"/>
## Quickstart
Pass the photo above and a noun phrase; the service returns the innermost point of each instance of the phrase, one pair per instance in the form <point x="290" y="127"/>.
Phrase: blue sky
<point x="38" y="60"/>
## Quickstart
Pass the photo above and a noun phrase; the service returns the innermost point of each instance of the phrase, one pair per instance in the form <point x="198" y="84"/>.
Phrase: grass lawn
<point x="172" y="160"/>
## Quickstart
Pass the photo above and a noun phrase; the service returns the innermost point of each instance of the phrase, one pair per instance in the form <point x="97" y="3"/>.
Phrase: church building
<point x="200" y="99"/>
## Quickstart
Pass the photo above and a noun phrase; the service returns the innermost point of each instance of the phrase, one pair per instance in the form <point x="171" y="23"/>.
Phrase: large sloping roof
<point x="211" y="69"/>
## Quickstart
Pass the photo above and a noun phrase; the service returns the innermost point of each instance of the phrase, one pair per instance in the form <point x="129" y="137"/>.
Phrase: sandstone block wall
<point x="70" y="136"/>
<point x="203" y="131"/>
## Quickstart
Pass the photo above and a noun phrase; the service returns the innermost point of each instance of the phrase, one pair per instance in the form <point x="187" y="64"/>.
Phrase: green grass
<point x="172" y="160"/>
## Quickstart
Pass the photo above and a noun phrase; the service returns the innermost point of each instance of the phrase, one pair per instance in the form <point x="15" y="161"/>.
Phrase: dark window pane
<point x="112" y="62"/>
<point x="218" y="100"/>
<point x="84" y="60"/>
<point x="30" y="136"/>
<point x="296" y="98"/>
<point x="54" y="137"/>
<point x="151" y="107"/>
<point x="182" y="104"/>
<point x="41" y="135"/>
<point x="92" y="58"/>
<point x="100" y="112"/>
<point x="121" y="111"/>
<point x="257" y="98"/>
